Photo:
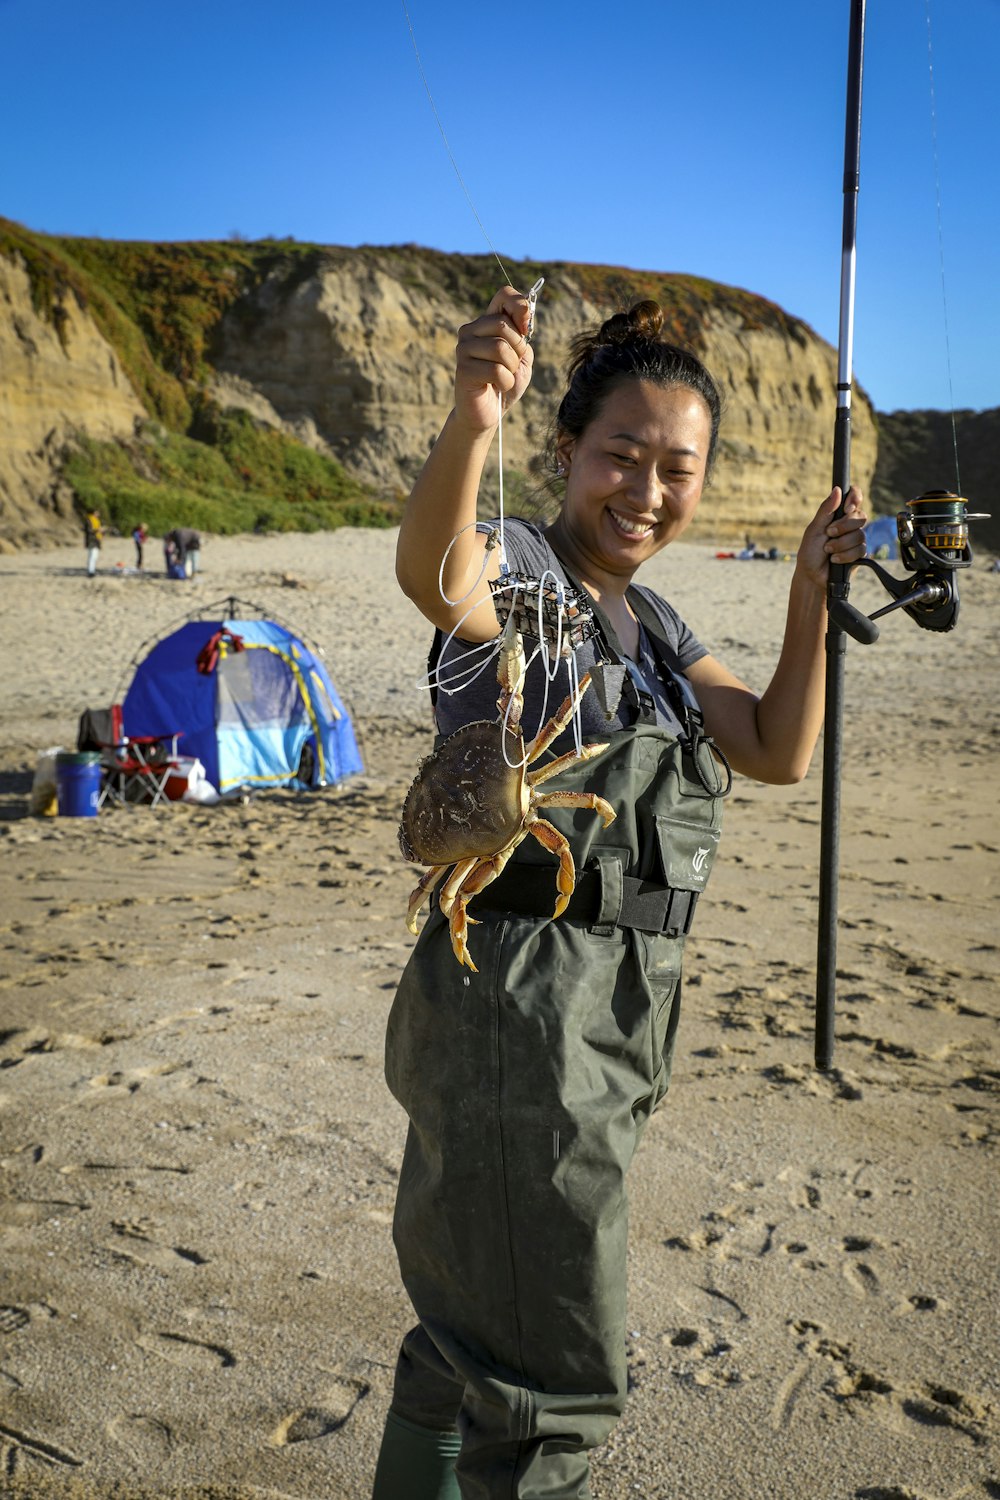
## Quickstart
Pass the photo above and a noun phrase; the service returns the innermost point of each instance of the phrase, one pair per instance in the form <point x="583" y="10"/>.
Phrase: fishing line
<point x="464" y="678"/>
<point x="447" y="147"/>
<point x="456" y="674"/>
<point x="503" y="551"/>
<point x="944" y="293"/>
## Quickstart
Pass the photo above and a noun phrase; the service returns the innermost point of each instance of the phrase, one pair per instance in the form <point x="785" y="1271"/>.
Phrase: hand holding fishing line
<point x="494" y="357"/>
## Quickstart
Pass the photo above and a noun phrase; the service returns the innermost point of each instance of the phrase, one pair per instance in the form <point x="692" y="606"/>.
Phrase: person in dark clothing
<point x="528" y="1077"/>
<point x="187" y="544"/>
<point x="139" y="536"/>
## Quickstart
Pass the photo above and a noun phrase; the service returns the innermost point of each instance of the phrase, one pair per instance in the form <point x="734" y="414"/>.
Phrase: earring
<point x="560" y="471"/>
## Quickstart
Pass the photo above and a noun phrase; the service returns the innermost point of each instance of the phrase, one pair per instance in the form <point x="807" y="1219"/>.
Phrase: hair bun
<point x="643" y="320"/>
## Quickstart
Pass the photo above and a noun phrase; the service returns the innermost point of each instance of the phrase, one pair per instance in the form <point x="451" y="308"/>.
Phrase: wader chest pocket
<point x="687" y="851"/>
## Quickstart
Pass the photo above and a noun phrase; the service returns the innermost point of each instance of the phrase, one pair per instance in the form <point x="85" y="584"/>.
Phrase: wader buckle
<point x="625" y="901"/>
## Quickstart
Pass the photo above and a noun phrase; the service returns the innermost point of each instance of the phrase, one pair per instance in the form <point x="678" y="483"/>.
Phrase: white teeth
<point x="634" y="528"/>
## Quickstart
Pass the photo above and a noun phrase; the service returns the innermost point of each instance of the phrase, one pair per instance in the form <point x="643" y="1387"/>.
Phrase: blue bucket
<point x="78" y="783"/>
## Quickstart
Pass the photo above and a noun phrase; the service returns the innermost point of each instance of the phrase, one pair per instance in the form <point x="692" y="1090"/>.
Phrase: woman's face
<point x="635" y="474"/>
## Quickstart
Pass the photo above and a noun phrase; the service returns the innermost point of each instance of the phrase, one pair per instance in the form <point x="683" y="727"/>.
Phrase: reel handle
<point x="930" y="598"/>
<point x="852" y="622"/>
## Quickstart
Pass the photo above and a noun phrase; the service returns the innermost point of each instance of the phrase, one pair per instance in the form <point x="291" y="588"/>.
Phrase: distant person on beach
<point x="93" y="535"/>
<point x="139" y="537"/>
<point x="529" y="1074"/>
<point x="187" y="544"/>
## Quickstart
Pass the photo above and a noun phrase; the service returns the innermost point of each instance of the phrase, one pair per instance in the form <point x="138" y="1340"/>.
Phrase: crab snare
<point x="473" y="801"/>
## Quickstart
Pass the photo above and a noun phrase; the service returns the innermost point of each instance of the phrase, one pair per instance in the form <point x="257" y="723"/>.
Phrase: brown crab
<point x="474" y="800"/>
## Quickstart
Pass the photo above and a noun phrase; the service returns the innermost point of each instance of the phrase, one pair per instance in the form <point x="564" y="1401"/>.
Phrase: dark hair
<point x="628" y="347"/>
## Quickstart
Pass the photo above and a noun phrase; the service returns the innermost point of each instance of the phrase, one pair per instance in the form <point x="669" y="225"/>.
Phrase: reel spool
<point x="933" y="531"/>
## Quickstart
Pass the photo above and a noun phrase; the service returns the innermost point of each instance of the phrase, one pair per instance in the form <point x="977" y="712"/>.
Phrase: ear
<point x="564" y="452"/>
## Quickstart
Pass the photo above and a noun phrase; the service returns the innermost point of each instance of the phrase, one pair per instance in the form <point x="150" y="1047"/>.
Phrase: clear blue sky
<point x="701" y="138"/>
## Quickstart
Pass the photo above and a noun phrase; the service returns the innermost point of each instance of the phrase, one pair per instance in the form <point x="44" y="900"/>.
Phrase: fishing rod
<point x="838" y="585"/>
<point x="933" y="539"/>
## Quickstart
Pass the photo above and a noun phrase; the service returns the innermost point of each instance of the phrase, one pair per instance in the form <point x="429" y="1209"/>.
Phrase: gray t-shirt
<point x="465" y="695"/>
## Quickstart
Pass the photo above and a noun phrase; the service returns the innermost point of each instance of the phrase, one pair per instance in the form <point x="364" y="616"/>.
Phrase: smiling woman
<point x="528" y="1082"/>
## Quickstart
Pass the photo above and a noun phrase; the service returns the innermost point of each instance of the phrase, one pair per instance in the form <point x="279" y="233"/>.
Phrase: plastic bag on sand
<point x="188" y="782"/>
<point x="44" y="787"/>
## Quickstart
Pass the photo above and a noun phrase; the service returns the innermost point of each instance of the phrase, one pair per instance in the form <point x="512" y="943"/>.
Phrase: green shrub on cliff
<point x="237" y="477"/>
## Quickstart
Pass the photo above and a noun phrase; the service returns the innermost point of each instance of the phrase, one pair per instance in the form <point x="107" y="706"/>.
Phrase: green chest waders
<point x="528" y="1085"/>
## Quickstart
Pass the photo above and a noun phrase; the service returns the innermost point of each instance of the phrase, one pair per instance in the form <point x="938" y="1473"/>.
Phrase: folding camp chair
<point x="135" y="768"/>
<point x="140" y="770"/>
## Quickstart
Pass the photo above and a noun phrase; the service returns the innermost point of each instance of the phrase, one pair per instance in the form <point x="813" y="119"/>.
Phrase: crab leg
<point x="477" y="880"/>
<point x="562" y="762"/>
<point x="589" y="800"/>
<point x="559" y="721"/>
<point x="510" y="676"/>
<point x="422" y="890"/>
<point x="550" y="838"/>
<point x="449" y="890"/>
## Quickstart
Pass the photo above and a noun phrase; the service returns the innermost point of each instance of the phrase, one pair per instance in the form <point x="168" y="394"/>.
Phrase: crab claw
<point x="550" y="838"/>
<point x="458" y="926"/>
<point x="421" y="891"/>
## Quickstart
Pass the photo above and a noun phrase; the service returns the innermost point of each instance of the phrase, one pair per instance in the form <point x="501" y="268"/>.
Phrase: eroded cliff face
<point x="358" y="362"/>
<point x="351" y="352"/>
<point x="57" y="378"/>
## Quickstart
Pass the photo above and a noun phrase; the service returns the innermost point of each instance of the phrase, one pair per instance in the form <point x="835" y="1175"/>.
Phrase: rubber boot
<point x="416" y="1463"/>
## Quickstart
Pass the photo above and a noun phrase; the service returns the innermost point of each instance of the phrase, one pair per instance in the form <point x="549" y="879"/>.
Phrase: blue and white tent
<point x="881" y="538"/>
<point x="248" y="698"/>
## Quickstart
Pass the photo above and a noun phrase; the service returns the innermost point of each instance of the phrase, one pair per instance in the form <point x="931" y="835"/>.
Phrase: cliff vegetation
<point x="275" y="385"/>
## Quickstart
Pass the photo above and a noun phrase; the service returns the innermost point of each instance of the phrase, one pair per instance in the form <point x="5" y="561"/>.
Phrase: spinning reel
<point x="934" y="544"/>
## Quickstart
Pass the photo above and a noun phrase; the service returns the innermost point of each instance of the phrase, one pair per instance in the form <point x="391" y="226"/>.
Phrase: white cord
<point x="503" y="550"/>
<point x="454" y="603"/>
<point x="444" y="680"/>
<point x="572" y="668"/>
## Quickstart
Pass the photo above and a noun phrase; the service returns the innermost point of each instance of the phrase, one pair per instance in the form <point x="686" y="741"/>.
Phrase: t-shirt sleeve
<point x="679" y="635"/>
<point x="524" y="545"/>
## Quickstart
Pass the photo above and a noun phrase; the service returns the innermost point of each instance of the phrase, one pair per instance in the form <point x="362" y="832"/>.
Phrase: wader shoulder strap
<point x="682" y="697"/>
<point x="684" y="703"/>
<point x="609" y="650"/>
<point x="433" y="657"/>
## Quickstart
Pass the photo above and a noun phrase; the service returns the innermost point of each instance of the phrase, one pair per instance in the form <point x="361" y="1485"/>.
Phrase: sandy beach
<point x="198" y="1290"/>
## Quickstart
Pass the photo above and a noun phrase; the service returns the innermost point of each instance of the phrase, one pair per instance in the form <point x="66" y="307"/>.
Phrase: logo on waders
<point x="698" y="863"/>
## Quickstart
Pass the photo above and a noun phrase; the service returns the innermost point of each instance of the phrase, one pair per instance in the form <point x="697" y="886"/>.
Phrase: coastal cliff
<point x="113" y="354"/>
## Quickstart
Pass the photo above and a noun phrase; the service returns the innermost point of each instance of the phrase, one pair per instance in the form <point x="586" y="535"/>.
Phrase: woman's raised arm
<point x="772" y="738"/>
<point x="493" y="357"/>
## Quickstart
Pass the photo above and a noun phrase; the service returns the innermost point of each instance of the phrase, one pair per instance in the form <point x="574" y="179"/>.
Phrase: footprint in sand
<point x="13" y="1318"/>
<point x="847" y="1382"/>
<point x="19" y="1449"/>
<point x="858" y="1273"/>
<point x="192" y="1353"/>
<point x="328" y="1415"/>
<point x="144" y="1438"/>
<point x="700" y="1357"/>
<point x="20" y="1213"/>
<point x="132" y="1080"/>
<point x="144" y="1250"/>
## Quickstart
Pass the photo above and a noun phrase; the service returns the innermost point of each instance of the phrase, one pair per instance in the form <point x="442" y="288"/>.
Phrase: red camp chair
<point x="135" y="768"/>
